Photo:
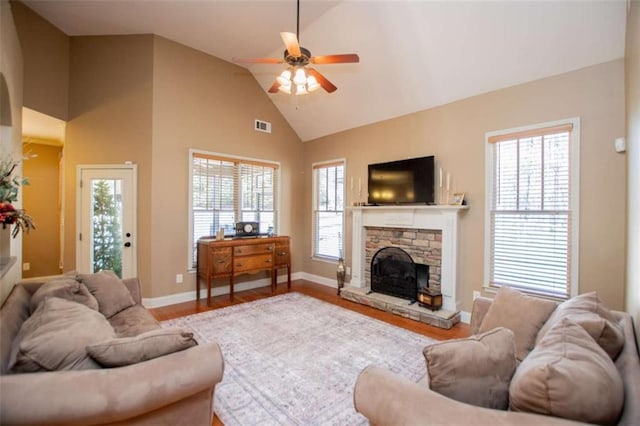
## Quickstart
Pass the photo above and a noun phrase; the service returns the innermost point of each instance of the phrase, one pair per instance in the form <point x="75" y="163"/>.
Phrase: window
<point x="226" y="190"/>
<point x="328" y="209"/>
<point x="532" y="209"/>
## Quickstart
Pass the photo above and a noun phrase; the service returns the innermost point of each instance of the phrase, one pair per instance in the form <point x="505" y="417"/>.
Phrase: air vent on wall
<point x="263" y="126"/>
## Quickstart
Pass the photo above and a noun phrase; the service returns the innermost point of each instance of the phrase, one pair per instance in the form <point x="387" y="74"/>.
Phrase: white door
<point x="107" y="219"/>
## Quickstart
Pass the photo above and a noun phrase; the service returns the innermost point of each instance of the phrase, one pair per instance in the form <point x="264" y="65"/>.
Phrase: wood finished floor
<point x="318" y="291"/>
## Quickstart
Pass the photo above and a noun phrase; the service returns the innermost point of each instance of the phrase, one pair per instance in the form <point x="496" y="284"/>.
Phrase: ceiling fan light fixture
<point x="301" y="89"/>
<point x="285" y="88"/>
<point x="300" y="77"/>
<point x="285" y="78"/>
<point x="312" y="84"/>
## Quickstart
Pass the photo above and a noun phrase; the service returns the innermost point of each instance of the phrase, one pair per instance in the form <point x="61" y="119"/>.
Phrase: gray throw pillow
<point x="65" y="288"/>
<point x="520" y="313"/>
<point x="111" y="293"/>
<point x="131" y="350"/>
<point x="568" y="375"/>
<point x="476" y="370"/>
<point x="55" y="337"/>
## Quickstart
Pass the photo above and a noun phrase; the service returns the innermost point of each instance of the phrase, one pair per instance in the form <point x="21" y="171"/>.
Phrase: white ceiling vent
<point x="263" y="126"/>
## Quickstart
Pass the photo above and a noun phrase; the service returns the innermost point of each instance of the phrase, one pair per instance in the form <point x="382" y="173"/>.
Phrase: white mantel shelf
<point x="437" y="217"/>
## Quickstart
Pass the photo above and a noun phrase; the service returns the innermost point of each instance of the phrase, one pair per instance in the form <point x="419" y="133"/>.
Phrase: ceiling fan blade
<point x="257" y="61"/>
<point x="274" y="88"/>
<point x="322" y="80"/>
<point x="290" y="40"/>
<point x="335" y="59"/>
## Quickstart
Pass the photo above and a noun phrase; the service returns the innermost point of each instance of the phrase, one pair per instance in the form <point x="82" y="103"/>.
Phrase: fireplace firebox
<point x="394" y="272"/>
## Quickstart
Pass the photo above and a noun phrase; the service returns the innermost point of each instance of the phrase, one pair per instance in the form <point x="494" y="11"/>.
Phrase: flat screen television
<point x="402" y="182"/>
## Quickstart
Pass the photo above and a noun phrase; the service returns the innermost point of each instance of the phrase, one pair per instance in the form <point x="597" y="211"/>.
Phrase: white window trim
<point x="314" y="205"/>
<point x="192" y="151"/>
<point x="575" y="198"/>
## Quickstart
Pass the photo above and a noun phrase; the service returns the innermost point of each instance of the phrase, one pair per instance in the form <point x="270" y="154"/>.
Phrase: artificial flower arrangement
<point x="9" y="186"/>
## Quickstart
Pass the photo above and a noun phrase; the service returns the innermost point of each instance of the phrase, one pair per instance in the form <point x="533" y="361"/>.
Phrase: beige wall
<point x="206" y="103"/>
<point x="110" y="110"/>
<point x="41" y="248"/>
<point x="454" y="133"/>
<point x="633" y="161"/>
<point x="46" y="62"/>
<point x="10" y="127"/>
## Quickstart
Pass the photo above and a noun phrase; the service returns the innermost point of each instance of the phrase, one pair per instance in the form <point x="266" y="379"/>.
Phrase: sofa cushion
<point x="131" y="350"/>
<point x="133" y="321"/>
<point x="588" y="311"/>
<point x="520" y="313"/>
<point x="113" y="296"/>
<point x="476" y="370"/>
<point x="13" y="314"/>
<point x="55" y="337"/>
<point x="568" y="375"/>
<point x="65" y="288"/>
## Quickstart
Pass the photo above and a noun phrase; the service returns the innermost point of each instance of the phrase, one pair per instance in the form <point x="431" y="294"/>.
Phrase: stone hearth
<point x="441" y="318"/>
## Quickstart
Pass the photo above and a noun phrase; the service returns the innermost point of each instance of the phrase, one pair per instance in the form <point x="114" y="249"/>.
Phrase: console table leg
<point x="208" y="291"/>
<point x="288" y="277"/>
<point x="231" y="287"/>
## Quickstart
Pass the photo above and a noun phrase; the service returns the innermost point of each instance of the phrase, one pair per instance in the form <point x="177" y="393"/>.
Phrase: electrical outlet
<point x="348" y="270"/>
<point x="178" y="278"/>
<point x="26" y="266"/>
<point x="476" y="294"/>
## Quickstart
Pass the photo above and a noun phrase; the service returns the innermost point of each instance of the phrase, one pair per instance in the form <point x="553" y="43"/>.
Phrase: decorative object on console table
<point x="429" y="299"/>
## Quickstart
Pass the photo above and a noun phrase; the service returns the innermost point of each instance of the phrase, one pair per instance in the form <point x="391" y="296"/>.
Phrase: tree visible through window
<point x="107" y="238"/>
<point x="328" y="209"/>
<point x="531" y="211"/>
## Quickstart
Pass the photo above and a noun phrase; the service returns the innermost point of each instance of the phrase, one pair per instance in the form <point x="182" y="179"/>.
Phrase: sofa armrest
<point x="388" y="399"/>
<point x="112" y="394"/>
<point x="479" y="309"/>
<point x="133" y="285"/>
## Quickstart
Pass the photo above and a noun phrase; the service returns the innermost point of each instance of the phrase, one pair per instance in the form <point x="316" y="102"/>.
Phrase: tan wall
<point x="41" y="248"/>
<point x="205" y="103"/>
<point x="110" y="109"/>
<point x="46" y="62"/>
<point x="454" y="133"/>
<point x="10" y="128"/>
<point x="632" y="75"/>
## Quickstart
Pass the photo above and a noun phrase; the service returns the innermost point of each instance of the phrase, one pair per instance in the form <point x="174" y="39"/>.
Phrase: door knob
<point x="127" y="244"/>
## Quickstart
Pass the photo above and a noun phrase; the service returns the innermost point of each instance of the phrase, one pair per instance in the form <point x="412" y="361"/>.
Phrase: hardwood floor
<point x="318" y="291"/>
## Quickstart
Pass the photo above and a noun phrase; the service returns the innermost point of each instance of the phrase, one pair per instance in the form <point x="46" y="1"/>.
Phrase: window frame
<point x="314" y="205"/>
<point x="237" y="208"/>
<point x="574" y="203"/>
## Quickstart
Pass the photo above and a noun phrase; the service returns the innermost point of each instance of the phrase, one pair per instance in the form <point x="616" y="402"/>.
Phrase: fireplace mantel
<point x="444" y="218"/>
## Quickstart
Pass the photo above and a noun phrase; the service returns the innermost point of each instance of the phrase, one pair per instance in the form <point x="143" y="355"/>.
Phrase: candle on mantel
<point x="359" y="186"/>
<point x="352" y="184"/>
<point x="448" y="180"/>
<point x="440" y="180"/>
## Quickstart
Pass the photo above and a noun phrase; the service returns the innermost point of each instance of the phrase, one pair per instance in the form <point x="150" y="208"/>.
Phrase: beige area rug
<point x="294" y="360"/>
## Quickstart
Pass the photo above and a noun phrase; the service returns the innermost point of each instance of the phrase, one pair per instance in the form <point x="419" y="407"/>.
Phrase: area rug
<point x="294" y="360"/>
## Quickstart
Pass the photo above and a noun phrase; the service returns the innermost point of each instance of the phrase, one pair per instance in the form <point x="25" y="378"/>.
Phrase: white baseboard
<point x="465" y="317"/>
<point x="318" y="279"/>
<point x="188" y="296"/>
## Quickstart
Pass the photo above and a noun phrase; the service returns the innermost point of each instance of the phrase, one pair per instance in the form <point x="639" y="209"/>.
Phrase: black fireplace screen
<point x="393" y="272"/>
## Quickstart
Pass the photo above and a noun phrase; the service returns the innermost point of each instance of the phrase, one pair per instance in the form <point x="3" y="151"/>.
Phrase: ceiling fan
<point x="299" y="78"/>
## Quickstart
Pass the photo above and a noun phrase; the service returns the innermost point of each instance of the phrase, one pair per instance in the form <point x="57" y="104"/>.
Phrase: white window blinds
<point x="227" y="190"/>
<point x="328" y="210"/>
<point x="530" y="211"/>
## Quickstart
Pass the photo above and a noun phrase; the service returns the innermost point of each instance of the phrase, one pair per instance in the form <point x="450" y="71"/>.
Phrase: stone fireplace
<point x="428" y="233"/>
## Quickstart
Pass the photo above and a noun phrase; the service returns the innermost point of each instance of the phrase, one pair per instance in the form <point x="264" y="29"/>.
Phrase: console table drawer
<point x="253" y="249"/>
<point x="220" y="260"/>
<point x="256" y="262"/>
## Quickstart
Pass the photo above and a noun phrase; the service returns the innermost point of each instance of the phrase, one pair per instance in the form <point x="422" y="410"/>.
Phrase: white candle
<point x="359" y="186"/>
<point x="351" y="183"/>
<point x="448" y="179"/>
<point x="440" y="180"/>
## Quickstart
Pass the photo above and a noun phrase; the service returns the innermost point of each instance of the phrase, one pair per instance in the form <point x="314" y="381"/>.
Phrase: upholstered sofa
<point x="172" y="389"/>
<point x="386" y="398"/>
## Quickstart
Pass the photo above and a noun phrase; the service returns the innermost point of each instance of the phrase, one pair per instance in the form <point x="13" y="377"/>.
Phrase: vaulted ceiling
<point x="413" y="54"/>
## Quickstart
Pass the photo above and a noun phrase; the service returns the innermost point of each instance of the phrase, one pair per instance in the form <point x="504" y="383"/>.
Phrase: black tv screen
<point x="402" y="182"/>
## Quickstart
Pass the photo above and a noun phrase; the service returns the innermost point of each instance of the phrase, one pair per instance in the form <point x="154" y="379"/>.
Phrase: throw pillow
<point x="54" y="337"/>
<point x="476" y="370"/>
<point x="131" y="350"/>
<point x="520" y="313"/>
<point x="64" y="288"/>
<point x="568" y="375"/>
<point x="113" y="296"/>
<point x="588" y="311"/>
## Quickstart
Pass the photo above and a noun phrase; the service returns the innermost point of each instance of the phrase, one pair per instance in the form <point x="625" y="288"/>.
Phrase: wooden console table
<point x="230" y="257"/>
